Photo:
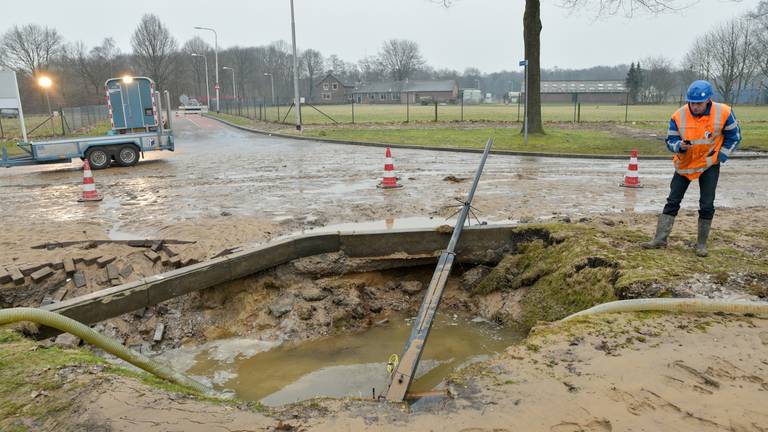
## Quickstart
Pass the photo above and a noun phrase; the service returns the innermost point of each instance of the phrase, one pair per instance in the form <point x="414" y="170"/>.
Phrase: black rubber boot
<point x="663" y="228"/>
<point x="701" y="242"/>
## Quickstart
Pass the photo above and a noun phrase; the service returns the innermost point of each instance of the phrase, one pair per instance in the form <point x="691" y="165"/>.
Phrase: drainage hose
<point x="674" y="305"/>
<point x="51" y="319"/>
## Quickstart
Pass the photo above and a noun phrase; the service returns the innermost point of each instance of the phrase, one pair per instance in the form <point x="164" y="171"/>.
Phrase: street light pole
<point x="207" y="87"/>
<point x="272" y="83"/>
<point x="295" y="73"/>
<point x="46" y="83"/>
<point x="234" y="88"/>
<point x="216" y="55"/>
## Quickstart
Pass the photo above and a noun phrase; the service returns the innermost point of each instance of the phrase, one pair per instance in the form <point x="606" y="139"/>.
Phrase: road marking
<point x="194" y="123"/>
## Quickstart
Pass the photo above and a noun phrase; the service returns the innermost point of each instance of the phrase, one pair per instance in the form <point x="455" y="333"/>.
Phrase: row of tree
<point x="733" y="55"/>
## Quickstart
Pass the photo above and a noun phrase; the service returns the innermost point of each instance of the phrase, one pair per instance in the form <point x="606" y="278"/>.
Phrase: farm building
<point x="396" y="92"/>
<point x="331" y="90"/>
<point x="609" y="92"/>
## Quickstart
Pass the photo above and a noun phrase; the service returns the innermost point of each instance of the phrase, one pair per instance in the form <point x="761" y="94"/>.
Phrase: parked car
<point x="9" y="113"/>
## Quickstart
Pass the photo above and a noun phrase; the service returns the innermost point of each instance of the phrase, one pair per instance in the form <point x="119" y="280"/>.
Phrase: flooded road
<point x="219" y="171"/>
<point x="337" y="366"/>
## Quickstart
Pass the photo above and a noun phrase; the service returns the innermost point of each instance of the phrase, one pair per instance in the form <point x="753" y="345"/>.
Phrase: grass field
<point x="561" y="137"/>
<point x="13" y="133"/>
<point x="365" y="113"/>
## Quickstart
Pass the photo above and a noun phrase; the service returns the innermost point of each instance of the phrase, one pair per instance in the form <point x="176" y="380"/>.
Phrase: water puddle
<point x="338" y="366"/>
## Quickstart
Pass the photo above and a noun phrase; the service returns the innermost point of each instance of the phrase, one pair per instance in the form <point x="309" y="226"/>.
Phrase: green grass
<point x="556" y="140"/>
<point x="100" y="128"/>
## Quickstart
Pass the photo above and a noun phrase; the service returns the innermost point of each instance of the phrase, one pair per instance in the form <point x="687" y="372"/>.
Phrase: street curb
<point x="452" y="149"/>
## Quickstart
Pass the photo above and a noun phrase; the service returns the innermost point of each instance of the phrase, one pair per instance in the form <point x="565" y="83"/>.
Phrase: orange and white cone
<point x="89" y="187"/>
<point x="631" y="179"/>
<point x="390" y="180"/>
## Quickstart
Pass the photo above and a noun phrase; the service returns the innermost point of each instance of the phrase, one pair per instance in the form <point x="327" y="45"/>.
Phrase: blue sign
<point x="523" y="63"/>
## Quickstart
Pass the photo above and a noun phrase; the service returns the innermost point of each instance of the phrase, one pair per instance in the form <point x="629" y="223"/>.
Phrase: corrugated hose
<point x="674" y="305"/>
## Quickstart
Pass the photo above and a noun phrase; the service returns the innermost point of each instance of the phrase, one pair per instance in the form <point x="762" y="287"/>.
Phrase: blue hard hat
<point x="699" y="91"/>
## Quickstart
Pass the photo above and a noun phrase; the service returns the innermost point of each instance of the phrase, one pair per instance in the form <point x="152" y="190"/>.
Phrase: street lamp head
<point x="127" y="79"/>
<point x="196" y="55"/>
<point x="267" y="74"/>
<point x="44" y="82"/>
<point x="227" y="68"/>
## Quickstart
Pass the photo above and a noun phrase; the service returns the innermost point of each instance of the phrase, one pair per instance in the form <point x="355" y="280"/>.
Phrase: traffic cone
<point x="631" y="180"/>
<point x="89" y="187"/>
<point x="390" y="180"/>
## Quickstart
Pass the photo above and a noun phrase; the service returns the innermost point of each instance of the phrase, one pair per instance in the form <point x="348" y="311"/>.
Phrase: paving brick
<point x="103" y="261"/>
<point x="41" y="274"/>
<point x="156" y="246"/>
<point x="126" y="271"/>
<point x="80" y="280"/>
<point x="159" y="330"/>
<point x="175" y="261"/>
<point x="112" y="273"/>
<point x="17" y="276"/>
<point x="5" y="277"/>
<point x="69" y="265"/>
<point x="152" y="256"/>
<point x="28" y="269"/>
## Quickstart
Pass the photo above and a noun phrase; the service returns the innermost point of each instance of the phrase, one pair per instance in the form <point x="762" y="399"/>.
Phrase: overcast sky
<point x="486" y="34"/>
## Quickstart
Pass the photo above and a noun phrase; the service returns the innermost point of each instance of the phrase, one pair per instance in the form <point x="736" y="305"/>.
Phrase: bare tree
<point x="30" y="48"/>
<point x="154" y="49"/>
<point x="98" y="64"/>
<point x="400" y="58"/>
<point x="313" y="64"/>
<point x="658" y="79"/>
<point x="196" y="66"/>
<point x="726" y="56"/>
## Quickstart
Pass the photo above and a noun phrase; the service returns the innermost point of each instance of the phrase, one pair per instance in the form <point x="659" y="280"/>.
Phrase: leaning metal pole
<point x="406" y="368"/>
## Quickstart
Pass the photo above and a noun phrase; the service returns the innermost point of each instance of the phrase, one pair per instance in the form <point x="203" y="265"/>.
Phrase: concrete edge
<point x="451" y="149"/>
<point x="131" y="296"/>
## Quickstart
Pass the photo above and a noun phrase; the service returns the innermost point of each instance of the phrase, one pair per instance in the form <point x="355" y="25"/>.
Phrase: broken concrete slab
<point x="159" y="330"/>
<point x="281" y="306"/>
<point x="103" y="261"/>
<point x="41" y="274"/>
<point x="69" y="265"/>
<point x="313" y="294"/>
<point x="126" y="271"/>
<point x="66" y="340"/>
<point x="79" y="278"/>
<point x="411" y="287"/>
<point x="152" y="256"/>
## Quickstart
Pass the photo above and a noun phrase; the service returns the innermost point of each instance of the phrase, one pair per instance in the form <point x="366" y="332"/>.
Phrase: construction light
<point x="127" y="79"/>
<point x="44" y="82"/>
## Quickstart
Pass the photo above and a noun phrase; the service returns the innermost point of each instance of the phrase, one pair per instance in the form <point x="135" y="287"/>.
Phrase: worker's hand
<point x="685" y="145"/>
<point x="722" y="157"/>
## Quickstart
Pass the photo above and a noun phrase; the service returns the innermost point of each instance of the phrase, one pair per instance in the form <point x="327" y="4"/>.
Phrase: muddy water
<point x="338" y="366"/>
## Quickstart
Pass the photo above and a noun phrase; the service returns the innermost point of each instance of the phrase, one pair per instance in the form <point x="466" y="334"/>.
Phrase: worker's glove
<point x="722" y="157"/>
<point x="675" y="146"/>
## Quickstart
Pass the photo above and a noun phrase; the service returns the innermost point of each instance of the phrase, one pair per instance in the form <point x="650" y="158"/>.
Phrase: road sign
<point x="523" y="63"/>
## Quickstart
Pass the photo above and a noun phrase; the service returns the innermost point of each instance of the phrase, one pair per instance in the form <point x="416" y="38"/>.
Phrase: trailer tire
<point x="98" y="158"/>
<point x="127" y="156"/>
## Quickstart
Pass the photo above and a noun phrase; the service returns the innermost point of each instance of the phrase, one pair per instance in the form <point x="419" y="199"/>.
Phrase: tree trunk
<point x="532" y="38"/>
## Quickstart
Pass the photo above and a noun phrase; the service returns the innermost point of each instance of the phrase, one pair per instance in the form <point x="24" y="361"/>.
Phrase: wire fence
<point x="64" y="122"/>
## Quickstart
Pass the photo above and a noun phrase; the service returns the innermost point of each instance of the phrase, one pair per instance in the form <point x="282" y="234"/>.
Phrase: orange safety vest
<point x="705" y="133"/>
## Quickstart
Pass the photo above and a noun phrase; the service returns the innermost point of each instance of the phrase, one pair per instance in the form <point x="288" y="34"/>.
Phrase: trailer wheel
<point x="98" y="158"/>
<point x="127" y="156"/>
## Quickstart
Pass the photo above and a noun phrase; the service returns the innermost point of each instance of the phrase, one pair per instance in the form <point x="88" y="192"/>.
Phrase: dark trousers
<point x="707" y="186"/>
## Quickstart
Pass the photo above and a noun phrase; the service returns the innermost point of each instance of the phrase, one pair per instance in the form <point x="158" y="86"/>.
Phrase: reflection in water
<point x="338" y="366"/>
<point x="630" y="199"/>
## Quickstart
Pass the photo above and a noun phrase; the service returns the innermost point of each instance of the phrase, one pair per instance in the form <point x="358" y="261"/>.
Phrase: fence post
<point x="626" y="109"/>
<point x="61" y="115"/>
<point x="407" y="108"/>
<point x="435" y="110"/>
<point x="2" y="132"/>
<point x="353" y="110"/>
<point x="462" y="108"/>
<point x="578" y="120"/>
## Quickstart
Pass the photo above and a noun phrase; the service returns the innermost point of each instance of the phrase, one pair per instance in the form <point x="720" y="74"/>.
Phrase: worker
<point x="702" y="135"/>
